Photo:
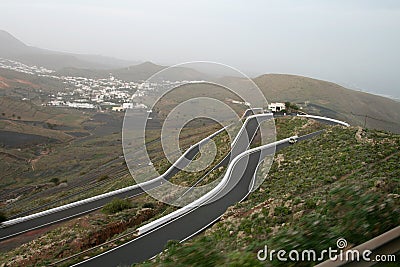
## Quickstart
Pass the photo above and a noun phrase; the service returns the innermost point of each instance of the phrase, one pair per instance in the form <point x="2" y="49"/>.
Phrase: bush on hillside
<point x="2" y="217"/>
<point x="117" y="205"/>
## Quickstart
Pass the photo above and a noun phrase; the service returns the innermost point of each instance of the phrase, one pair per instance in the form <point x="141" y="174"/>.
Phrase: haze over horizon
<point x="353" y="43"/>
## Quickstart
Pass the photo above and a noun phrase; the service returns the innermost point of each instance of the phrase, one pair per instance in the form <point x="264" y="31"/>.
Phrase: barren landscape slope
<point x="12" y="48"/>
<point x="332" y="100"/>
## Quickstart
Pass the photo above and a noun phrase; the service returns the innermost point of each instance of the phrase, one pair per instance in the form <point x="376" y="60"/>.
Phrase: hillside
<point x="43" y="144"/>
<point x="12" y="48"/>
<point x="333" y="186"/>
<point x="299" y="205"/>
<point x="140" y="72"/>
<point x="314" y="96"/>
<point x="332" y="100"/>
<point x="10" y="79"/>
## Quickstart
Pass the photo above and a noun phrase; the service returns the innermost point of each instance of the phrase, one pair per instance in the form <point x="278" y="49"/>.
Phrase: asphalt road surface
<point x="181" y="228"/>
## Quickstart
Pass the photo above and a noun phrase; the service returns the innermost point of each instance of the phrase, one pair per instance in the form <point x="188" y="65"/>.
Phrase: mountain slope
<point x="317" y="191"/>
<point x="334" y="100"/>
<point x="12" y="48"/>
<point x="10" y="79"/>
<point x="146" y="70"/>
<point x="140" y="72"/>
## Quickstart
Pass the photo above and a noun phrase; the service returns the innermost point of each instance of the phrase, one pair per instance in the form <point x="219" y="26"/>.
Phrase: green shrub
<point x="55" y="180"/>
<point x="282" y="211"/>
<point x="116" y="205"/>
<point x="102" y="178"/>
<point x="3" y="217"/>
<point x="311" y="203"/>
<point x="149" y="205"/>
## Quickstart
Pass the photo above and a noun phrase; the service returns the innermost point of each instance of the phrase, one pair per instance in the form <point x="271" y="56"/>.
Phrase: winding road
<point x="197" y="219"/>
<point x="27" y="223"/>
<point x="186" y="222"/>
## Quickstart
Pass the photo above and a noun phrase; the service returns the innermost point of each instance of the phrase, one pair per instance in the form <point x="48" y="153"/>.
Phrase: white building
<point x="276" y="106"/>
<point x="79" y="105"/>
<point x="118" y="109"/>
<point x="127" y="105"/>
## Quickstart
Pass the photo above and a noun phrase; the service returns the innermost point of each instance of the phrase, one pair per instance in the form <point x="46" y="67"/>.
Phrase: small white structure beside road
<point x="127" y="105"/>
<point x="118" y="109"/>
<point x="276" y="106"/>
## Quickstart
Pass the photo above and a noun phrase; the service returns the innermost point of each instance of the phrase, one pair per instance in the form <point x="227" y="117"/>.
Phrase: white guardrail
<point x="268" y="115"/>
<point x="252" y="110"/>
<point x="200" y="201"/>
<point x="325" y="118"/>
<point x="112" y="193"/>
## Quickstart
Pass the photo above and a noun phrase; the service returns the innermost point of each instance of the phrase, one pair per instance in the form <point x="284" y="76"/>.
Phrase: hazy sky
<point x="354" y="43"/>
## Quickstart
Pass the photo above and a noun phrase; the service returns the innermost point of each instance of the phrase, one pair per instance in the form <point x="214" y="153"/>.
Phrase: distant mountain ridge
<point x="12" y="48"/>
<point x="91" y="66"/>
